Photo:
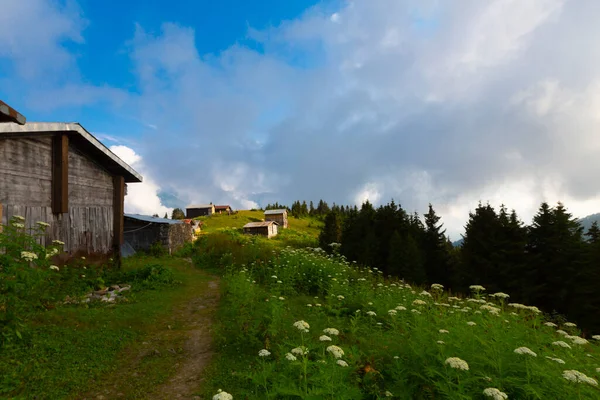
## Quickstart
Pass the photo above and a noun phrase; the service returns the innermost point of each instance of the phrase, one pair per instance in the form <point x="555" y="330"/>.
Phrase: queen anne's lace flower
<point x="570" y="324"/>
<point x="418" y="302"/>
<point x="471" y="323"/>
<point x="500" y="295"/>
<point x="495" y="394"/>
<point x="18" y="225"/>
<point x="477" y="288"/>
<point x="558" y="360"/>
<point x="28" y="256"/>
<point x="550" y="324"/>
<point x="457" y="363"/>
<point x="371" y="313"/>
<point x="43" y="224"/>
<point x="400" y="308"/>
<point x="290" y="357"/>
<point x="221" y="395"/>
<point x="54" y="267"/>
<point x="324" y="338"/>
<point x="302" y="325"/>
<point x="578" y="340"/>
<point x="300" y="350"/>
<point x="264" y="353"/>
<point x="342" y="363"/>
<point x="561" y="344"/>
<point x="331" y="331"/>
<point x="441" y="342"/>
<point x="443" y="331"/>
<point x="561" y="332"/>
<point x="19" y="218"/>
<point x="596" y="337"/>
<point x="392" y="312"/>
<point x="525" y="350"/>
<point x="578" y="377"/>
<point x="336" y="351"/>
<point x="437" y="286"/>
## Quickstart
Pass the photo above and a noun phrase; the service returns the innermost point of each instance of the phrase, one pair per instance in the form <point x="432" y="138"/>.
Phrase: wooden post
<point x="118" y="210"/>
<point x="1" y="218"/>
<point x="60" y="174"/>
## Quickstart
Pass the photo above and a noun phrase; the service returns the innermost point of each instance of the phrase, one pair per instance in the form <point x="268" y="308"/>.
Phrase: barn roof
<point x="148" y="218"/>
<point x="9" y="114"/>
<point x="280" y="211"/>
<point x="81" y="138"/>
<point x="259" y="224"/>
<point x="200" y="206"/>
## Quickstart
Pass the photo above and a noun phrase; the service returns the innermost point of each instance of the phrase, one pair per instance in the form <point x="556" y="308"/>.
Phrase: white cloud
<point x="142" y="198"/>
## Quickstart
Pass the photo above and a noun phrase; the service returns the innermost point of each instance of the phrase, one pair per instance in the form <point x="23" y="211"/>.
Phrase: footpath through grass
<point x="69" y="350"/>
<point x="298" y="324"/>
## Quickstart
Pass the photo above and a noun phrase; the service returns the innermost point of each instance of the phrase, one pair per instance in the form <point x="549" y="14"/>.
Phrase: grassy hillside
<point x="213" y="223"/>
<point x="300" y="324"/>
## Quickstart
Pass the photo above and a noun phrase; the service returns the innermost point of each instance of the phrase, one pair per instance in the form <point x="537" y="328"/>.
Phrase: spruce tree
<point x="331" y="232"/>
<point x="435" y="250"/>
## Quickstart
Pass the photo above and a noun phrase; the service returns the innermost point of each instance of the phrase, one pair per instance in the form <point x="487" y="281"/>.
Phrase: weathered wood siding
<point x="26" y="190"/>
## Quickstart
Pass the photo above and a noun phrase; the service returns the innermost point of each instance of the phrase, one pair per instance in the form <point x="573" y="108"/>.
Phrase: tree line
<point x="301" y="209"/>
<point x="552" y="263"/>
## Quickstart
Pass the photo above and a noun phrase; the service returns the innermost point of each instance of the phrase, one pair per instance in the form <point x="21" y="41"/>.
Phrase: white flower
<point x="281" y="298"/>
<point x="19" y="218"/>
<point x="290" y="357"/>
<point x="43" y="224"/>
<point x="425" y="293"/>
<point x="342" y="363"/>
<point x="579" y="340"/>
<point x="54" y="267"/>
<point x="570" y="324"/>
<point x="415" y="311"/>
<point x="388" y="394"/>
<point x="457" y="363"/>
<point x="441" y="342"/>
<point x="558" y="360"/>
<point x="525" y="350"/>
<point x="18" y="225"/>
<point x="471" y="323"/>
<point x="274" y="276"/>
<point x="418" y="302"/>
<point x="392" y="312"/>
<point x="396" y="357"/>
<point x="58" y="243"/>
<point x="221" y="395"/>
<point x="309" y="305"/>
<point x="331" y="331"/>
<point x="28" y="256"/>
<point x="561" y="344"/>
<point x="443" y="331"/>
<point x="578" y="377"/>
<point x="83" y="258"/>
<point x="596" y="337"/>
<point x="437" y="286"/>
<point x="324" y="338"/>
<point x="302" y="325"/>
<point x="279" y="282"/>
<point x="400" y="308"/>
<point x="371" y="313"/>
<point x="550" y="324"/>
<point x="83" y="276"/>
<point x="495" y="394"/>
<point x="336" y="351"/>
<point x="340" y="297"/>
<point x="501" y="295"/>
<point x="561" y="332"/>
<point x="477" y="288"/>
<point x="264" y="353"/>
<point x="318" y="305"/>
<point x="300" y="350"/>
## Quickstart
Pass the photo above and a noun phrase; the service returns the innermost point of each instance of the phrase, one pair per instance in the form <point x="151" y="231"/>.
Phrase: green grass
<point x="400" y="354"/>
<point x="71" y="348"/>
<point x="213" y="223"/>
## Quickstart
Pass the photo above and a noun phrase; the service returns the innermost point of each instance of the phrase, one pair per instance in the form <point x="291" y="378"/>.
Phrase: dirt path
<point x="174" y="353"/>
<point x="197" y="349"/>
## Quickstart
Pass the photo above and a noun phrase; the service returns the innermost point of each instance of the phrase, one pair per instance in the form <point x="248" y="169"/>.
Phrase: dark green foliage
<point x="331" y="232"/>
<point x="177" y="214"/>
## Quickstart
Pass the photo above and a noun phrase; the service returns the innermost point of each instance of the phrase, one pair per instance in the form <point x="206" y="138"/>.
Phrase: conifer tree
<point x="331" y="232"/>
<point x="435" y="250"/>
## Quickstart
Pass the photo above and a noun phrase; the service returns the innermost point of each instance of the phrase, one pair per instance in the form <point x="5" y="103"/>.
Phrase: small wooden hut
<point x="199" y="210"/>
<point x="264" y="228"/>
<point x="223" y="209"/>
<point x="143" y="231"/>
<point x="279" y="216"/>
<point x="60" y="174"/>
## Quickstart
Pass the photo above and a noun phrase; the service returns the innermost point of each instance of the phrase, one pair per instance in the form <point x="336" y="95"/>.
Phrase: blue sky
<point x="251" y="102"/>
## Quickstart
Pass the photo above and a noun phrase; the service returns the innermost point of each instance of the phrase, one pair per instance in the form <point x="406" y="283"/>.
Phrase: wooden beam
<point x="60" y="174"/>
<point x="118" y="210"/>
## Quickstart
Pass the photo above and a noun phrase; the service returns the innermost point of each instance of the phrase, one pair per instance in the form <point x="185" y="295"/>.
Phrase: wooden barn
<point x="279" y="216"/>
<point x="199" y="210"/>
<point x="223" y="209"/>
<point x="60" y="174"/>
<point x="265" y="228"/>
<point x="143" y="231"/>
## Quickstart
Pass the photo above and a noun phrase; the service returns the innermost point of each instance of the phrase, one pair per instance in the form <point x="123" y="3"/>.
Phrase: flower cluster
<point x="336" y="351"/>
<point x="302" y="326"/>
<point x="495" y="394"/>
<point x="578" y="377"/>
<point x="525" y="350"/>
<point x="457" y="363"/>
<point x="28" y="256"/>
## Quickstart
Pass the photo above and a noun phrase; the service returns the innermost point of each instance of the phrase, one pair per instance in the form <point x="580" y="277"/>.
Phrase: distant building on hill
<point x="279" y="216"/>
<point x="264" y="228"/>
<point x="199" y="210"/>
<point x="223" y="209"/>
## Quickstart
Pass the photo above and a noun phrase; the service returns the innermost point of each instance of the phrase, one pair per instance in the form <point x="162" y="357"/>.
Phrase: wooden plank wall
<point x="26" y="190"/>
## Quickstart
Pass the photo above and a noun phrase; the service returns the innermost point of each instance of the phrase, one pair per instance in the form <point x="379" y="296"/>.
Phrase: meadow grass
<point x="282" y="311"/>
<point x="67" y="349"/>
